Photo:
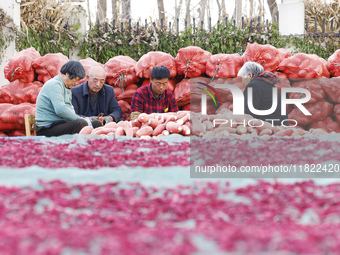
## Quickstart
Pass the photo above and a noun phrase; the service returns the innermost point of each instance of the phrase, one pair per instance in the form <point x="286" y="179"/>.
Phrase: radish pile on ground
<point x="225" y="124"/>
<point x="146" y="126"/>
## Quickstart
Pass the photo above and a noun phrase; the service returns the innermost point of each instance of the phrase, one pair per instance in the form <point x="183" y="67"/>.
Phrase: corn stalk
<point x="8" y="28"/>
<point x="320" y="10"/>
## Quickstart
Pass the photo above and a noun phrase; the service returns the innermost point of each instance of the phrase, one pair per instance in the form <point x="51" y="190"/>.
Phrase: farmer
<point x="262" y="84"/>
<point x="154" y="98"/>
<point x="93" y="98"/>
<point x="55" y="114"/>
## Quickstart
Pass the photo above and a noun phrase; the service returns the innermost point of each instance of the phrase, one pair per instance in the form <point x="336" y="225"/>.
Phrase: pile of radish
<point x="229" y="125"/>
<point x="146" y="126"/>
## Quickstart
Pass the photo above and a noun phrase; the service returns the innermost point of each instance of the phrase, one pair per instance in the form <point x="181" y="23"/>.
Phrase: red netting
<point x="191" y="61"/>
<point x="332" y="88"/>
<point x="314" y="87"/>
<point x="304" y="66"/>
<point x="87" y="64"/>
<point x="334" y="64"/>
<point x="266" y="55"/>
<point x="20" y="67"/>
<point x="319" y="110"/>
<point x="121" y="71"/>
<point x="224" y="65"/>
<point x="18" y="92"/>
<point x="152" y="59"/>
<point x="12" y="116"/>
<point x="49" y="66"/>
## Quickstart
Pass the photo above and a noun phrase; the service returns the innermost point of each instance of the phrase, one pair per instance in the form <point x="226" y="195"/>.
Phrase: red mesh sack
<point x="304" y="66"/>
<point x="332" y="88"/>
<point x="126" y="108"/>
<point x="224" y="65"/>
<point x="182" y="92"/>
<point x="314" y="87"/>
<point x="133" y="87"/>
<point x="319" y="110"/>
<point x="196" y="87"/>
<point x="127" y="94"/>
<point x="152" y="59"/>
<point x="285" y="53"/>
<point x="2" y="134"/>
<point x="186" y="107"/>
<point x="20" y="67"/>
<point x="18" y="92"/>
<point x="171" y="84"/>
<point x="16" y="133"/>
<point x="118" y="91"/>
<point x="334" y="64"/>
<point x="225" y="94"/>
<point x="6" y="126"/>
<point x="283" y="81"/>
<point x="337" y="112"/>
<point x="121" y="71"/>
<point x="328" y="125"/>
<point x="191" y="61"/>
<point x="12" y="116"/>
<point x="49" y="66"/>
<point x="87" y="64"/>
<point x="266" y="55"/>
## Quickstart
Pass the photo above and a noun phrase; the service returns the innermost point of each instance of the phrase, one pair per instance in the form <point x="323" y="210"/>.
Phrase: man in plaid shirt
<point x="154" y="98"/>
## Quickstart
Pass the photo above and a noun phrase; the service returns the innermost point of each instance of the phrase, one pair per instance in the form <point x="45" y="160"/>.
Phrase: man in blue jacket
<point x="93" y="98"/>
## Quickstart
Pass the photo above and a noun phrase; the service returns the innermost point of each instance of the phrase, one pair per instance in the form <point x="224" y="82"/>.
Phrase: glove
<point x="134" y="115"/>
<point x="107" y="119"/>
<point x="92" y="118"/>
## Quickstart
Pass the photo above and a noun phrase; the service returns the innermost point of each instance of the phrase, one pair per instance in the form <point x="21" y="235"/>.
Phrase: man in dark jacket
<point x="262" y="84"/>
<point x="93" y="98"/>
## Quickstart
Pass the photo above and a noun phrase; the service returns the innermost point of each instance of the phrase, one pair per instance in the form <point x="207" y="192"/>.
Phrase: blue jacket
<point x="107" y="102"/>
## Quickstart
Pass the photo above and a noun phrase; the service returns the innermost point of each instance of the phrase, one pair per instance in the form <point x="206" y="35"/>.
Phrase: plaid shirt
<point x="144" y="100"/>
<point x="268" y="77"/>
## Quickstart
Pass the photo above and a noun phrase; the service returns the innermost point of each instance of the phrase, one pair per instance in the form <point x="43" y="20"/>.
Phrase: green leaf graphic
<point x="208" y="92"/>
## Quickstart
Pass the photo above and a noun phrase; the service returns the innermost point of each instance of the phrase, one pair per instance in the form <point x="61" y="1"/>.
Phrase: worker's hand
<point x="92" y="118"/>
<point x="107" y="119"/>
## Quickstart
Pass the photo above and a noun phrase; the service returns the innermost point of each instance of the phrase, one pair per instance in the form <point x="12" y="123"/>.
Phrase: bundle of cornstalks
<point x="322" y="9"/>
<point x="37" y="14"/>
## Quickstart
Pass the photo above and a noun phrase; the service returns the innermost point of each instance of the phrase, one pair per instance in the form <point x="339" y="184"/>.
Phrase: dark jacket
<point x="263" y="98"/>
<point x="107" y="102"/>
